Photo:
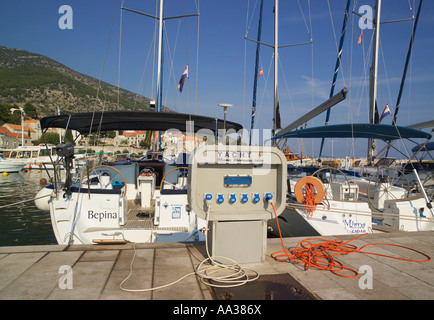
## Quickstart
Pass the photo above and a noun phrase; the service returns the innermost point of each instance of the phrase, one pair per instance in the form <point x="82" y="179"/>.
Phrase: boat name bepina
<point x="101" y="215"/>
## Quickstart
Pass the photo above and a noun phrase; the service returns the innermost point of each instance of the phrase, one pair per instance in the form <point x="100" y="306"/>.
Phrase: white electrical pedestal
<point x="231" y="187"/>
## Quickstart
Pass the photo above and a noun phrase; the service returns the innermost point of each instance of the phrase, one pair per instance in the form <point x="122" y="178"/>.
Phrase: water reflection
<point x="23" y="223"/>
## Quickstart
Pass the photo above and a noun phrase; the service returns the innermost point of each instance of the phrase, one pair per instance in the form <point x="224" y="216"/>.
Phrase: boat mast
<point x="159" y="96"/>
<point x="275" y="46"/>
<point x="410" y="48"/>
<point x="160" y="57"/>
<point x="160" y="18"/>
<point x="337" y="66"/>
<point x="276" y="64"/>
<point x="255" y="79"/>
<point x="373" y="82"/>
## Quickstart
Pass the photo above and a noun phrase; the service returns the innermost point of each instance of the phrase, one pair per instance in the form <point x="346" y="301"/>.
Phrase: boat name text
<point x="355" y="227"/>
<point x="101" y="215"/>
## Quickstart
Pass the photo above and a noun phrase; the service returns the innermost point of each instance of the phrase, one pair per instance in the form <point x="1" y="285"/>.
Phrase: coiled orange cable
<point x="309" y="199"/>
<point x="321" y="254"/>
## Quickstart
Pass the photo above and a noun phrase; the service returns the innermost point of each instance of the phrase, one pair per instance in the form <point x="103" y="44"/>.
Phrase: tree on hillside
<point x="5" y="114"/>
<point x="68" y="136"/>
<point x="30" y="110"/>
<point x="50" y="138"/>
<point x="15" y="117"/>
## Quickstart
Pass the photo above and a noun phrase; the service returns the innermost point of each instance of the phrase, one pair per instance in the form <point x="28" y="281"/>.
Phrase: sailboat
<point x="349" y="203"/>
<point x="138" y="201"/>
<point x="328" y="201"/>
<point x="141" y="200"/>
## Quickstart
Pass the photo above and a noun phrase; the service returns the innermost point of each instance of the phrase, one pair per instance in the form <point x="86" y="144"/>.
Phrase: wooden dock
<point x="40" y="272"/>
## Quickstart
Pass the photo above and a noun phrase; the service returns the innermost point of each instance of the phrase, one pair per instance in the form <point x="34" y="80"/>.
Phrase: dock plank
<point x="13" y="265"/>
<point x="39" y="279"/>
<point x="141" y="277"/>
<point x="170" y="265"/>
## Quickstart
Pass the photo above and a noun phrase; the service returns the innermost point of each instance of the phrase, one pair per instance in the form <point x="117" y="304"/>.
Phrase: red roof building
<point x="11" y="140"/>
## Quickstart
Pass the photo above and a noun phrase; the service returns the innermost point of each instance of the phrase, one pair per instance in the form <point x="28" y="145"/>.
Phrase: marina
<point x="208" y="210"/>
<point x="34" y="272"/>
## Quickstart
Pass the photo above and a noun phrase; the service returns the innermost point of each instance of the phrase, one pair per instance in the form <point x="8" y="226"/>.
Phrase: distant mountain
<point x="48" y="84"/>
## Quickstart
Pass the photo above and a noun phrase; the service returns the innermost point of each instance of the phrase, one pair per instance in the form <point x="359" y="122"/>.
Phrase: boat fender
<point x="42" y="198"/>
<point x="309" y="180"/>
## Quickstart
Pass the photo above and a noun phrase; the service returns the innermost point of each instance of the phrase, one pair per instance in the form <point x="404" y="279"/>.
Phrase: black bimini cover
<point x="89" y="122"/>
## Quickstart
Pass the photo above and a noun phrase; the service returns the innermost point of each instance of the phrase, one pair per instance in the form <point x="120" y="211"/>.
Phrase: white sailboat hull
<point x="95" y="217"/>
<point x="11" y="166"/>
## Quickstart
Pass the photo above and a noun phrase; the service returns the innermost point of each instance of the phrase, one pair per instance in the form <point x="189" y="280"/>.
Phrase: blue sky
<point x="222" y="71"/>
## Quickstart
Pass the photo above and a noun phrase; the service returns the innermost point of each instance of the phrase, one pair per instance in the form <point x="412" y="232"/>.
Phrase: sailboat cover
<point x="89" y="122"/>
<point x="428" y="147"/>
<point x="361" y="130"/>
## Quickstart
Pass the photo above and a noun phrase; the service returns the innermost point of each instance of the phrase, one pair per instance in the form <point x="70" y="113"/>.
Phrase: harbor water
<point x="23" y="223"/>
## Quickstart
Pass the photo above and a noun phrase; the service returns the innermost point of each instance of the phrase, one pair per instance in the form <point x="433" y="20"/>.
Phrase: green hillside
<point x="26" y="77"/>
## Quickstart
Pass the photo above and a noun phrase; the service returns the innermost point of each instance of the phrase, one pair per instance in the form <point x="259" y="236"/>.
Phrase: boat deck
<point x="34" y="272"/>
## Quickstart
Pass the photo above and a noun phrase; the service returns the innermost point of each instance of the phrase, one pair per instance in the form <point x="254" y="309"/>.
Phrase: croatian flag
<point x="261" y="72"/>
<point x="385" y="113"/>
<point x="360" y="37"/>
<point x="181" y="82"/>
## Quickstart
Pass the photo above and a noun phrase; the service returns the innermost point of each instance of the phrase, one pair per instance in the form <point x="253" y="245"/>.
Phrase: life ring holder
<point x="310" y="191"/>
<point x="301" y="185"/>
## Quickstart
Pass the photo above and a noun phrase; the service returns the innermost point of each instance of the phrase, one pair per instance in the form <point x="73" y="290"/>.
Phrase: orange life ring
<point x="320" y="190"/>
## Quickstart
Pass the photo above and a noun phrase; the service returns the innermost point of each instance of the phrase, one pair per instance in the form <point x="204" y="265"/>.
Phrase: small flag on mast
<point x="181" y="81"/>
<point x="261" y="72"/>
<point x="386" y="112"/>
<point x="360" y="37"/>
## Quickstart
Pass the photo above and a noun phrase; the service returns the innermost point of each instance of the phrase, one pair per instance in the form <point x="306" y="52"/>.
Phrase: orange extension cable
<point x="321" y="254"/>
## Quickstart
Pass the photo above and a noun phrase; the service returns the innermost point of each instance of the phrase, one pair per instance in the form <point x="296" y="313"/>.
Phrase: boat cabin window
<point x="45" y="152"/>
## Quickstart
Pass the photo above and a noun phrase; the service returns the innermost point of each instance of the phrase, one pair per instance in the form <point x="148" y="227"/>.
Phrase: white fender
<point x="42" y="198"/>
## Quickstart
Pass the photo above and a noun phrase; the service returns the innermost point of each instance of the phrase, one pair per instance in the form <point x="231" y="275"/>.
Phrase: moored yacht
<point x="139" y="200"/>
